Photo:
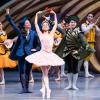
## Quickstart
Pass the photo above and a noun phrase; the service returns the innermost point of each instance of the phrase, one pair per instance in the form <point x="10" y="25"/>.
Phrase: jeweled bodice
<point x="46" y="42"/>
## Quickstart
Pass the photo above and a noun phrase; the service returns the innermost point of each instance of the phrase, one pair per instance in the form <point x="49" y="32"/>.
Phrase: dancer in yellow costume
<point x="5" y="62"/>
<point x="90" y="29"/>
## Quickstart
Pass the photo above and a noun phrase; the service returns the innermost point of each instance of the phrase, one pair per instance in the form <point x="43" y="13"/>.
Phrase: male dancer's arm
<point x="12" y="23"/>
<point x="97" y="30"/>
<point x="86" y="28"/>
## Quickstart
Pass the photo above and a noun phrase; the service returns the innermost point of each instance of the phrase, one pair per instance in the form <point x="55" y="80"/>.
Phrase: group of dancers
<point x="37" y="48"/>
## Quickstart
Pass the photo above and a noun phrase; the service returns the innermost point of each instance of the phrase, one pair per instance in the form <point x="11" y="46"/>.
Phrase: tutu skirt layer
<point x="43" y="58"/>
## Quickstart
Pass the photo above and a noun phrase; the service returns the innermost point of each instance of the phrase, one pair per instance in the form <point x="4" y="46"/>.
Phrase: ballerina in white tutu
<point x="45" y="57"/>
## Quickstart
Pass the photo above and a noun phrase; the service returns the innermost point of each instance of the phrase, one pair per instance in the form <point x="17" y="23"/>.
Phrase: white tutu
<point x="43" y="58"/>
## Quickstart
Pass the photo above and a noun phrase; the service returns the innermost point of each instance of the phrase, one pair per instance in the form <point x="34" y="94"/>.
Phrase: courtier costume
<point x="22" y="48"/>
<point x="90" y="30"/>
<point x="73" y="48"/>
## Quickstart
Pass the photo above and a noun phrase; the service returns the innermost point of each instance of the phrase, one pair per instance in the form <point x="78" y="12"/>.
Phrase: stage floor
<point x="89" y="88"/>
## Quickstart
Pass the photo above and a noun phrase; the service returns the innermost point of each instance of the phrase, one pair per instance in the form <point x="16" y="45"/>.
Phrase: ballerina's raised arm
<point x="36" y="24"/>
<point x="55" y="23"/>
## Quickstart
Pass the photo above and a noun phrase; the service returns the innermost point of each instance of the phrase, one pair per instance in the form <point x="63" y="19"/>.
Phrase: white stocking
<point x="2" y="77"/>
<point x="86" y="67"/>
<point x="63" y="71"/>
